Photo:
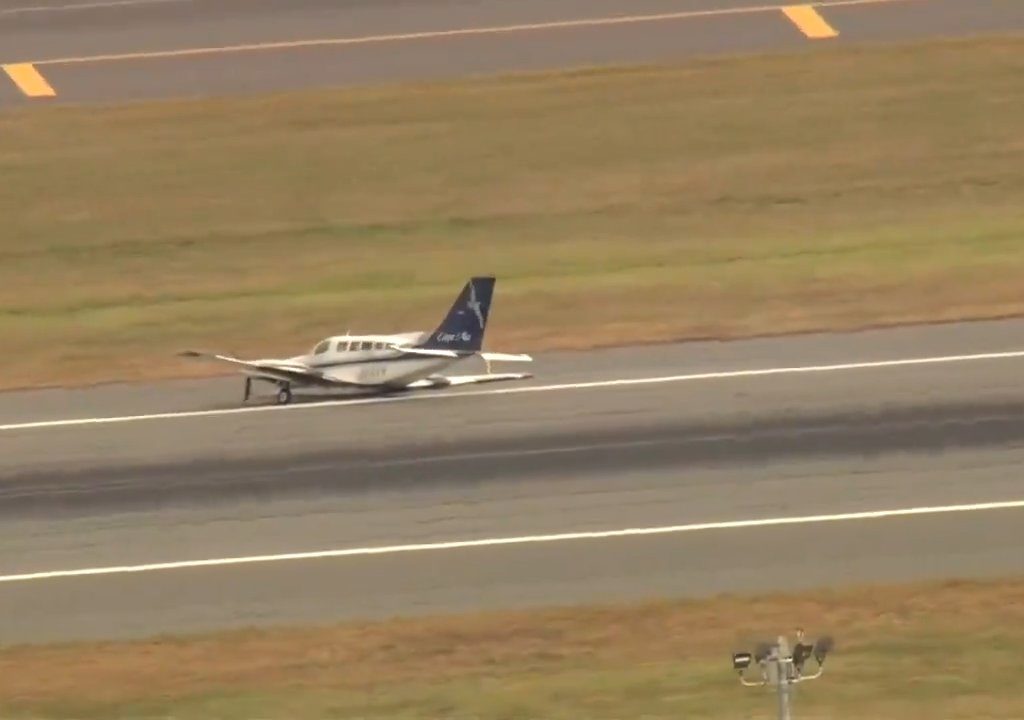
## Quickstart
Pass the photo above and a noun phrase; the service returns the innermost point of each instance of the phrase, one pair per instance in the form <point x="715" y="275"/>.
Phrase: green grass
<point x="951" y="650"/>
<point x="721" y="198"/>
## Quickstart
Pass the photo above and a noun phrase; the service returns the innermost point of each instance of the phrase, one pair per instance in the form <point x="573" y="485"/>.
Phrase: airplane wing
<point x="426" y="352"/>
<point x="441" y="381"/>
<point x="271" y="369"/>
<point x="488" y="356"/>
<point x="506" y="357"/>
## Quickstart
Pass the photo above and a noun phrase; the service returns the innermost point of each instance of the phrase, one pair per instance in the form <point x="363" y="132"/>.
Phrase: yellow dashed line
<point x="809" y="21"/>
<point x="29" y="80"/>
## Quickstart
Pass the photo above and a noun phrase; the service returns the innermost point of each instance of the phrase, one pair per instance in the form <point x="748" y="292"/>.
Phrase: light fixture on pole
<point x="782" y="668"/>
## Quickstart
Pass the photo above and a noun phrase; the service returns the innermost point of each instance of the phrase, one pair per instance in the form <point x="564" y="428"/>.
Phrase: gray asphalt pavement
<point x="489" y="462"/>
<point x="125" y="51"/>
<point x="457" y="466"/>
<point x="787" y="558"/>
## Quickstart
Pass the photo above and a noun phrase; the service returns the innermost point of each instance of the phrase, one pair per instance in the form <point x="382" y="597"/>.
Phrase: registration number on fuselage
<point x="372" y="373"/>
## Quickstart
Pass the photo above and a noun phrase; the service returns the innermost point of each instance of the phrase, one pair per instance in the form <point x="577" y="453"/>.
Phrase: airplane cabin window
<point x="365" y="345"/>
<point x="342" y="346"/>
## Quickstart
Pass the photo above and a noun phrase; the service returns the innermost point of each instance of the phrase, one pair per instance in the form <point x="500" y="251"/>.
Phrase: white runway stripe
<point x="526" y="539"/>
<point x="597" y="384"/>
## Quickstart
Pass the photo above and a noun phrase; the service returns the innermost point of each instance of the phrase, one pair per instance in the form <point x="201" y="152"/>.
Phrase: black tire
<point x="284" y="396"/>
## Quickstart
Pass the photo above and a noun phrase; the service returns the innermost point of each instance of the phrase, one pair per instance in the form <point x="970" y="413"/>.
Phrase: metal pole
<point x="784" y="701"/>
<point x="783" y="665"/>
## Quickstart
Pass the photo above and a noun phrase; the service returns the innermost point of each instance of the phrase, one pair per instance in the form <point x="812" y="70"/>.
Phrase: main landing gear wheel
<point x="284" y="395"/>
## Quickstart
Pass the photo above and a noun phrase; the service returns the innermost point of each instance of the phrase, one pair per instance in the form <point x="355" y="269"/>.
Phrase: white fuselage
<point x="366" y="360"/>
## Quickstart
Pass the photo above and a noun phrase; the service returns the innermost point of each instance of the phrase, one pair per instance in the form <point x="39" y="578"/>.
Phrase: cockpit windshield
<point x="321" y="347"/>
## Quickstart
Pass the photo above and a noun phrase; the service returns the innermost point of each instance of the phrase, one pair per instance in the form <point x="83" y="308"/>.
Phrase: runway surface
<point x="114" y="50"/>
<point x="702" y="436"/>
<point x="700" y="433"/>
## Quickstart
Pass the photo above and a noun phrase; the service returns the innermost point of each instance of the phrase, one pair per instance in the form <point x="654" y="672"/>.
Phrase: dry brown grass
<point x="477" y="664"/>
<point x="718" y="198"/>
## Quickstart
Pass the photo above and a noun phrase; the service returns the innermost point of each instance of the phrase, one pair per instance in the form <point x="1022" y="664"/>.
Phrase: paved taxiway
<point x="501" y="462"/>
<point x="109" y="51"/>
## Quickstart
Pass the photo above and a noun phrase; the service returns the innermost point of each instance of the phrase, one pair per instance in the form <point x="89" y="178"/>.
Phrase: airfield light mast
<point x="782" y="668"/>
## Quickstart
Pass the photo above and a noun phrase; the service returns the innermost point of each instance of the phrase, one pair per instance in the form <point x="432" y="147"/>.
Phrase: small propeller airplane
<point x="403" y="361"/>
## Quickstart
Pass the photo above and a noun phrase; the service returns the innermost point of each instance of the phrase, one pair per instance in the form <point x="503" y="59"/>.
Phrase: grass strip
<point x="949" y="650"/>
<point x="832" y="189"/>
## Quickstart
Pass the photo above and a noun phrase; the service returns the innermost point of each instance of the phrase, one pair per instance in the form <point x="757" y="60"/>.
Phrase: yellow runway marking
<point x="456" y="32"/>
<point x="28" y="80"/>
<point x="809" y="21"/>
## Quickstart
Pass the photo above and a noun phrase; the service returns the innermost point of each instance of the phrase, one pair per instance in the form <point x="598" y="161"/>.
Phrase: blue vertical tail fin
<point x="462" y="329"/>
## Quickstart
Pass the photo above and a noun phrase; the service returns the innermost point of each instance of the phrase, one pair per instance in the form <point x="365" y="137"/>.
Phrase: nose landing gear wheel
<point x="284" y="395"/>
